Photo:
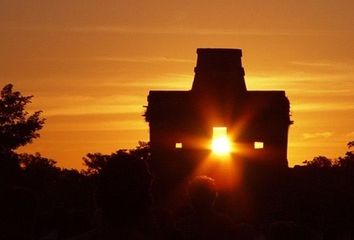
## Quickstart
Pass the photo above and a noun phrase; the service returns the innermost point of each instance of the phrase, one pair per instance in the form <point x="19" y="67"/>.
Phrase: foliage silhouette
<point x="32" y="161"/>
<point x="319" y="162"/>
<point x="347" y="161"/>
<point x="42" y="199"/>
<point x="17" y="126"/>
<point x="95" y="162"/>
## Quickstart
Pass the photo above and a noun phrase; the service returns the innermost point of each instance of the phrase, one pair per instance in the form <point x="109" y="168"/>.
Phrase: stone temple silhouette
<point x="182" y="122"/>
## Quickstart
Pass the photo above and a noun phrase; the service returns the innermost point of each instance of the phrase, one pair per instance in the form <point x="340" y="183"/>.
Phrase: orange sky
<point x="90" y="65"/>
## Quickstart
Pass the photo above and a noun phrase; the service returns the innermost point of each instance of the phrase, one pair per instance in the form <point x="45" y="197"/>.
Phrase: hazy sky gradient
<point x="90" y="65"/>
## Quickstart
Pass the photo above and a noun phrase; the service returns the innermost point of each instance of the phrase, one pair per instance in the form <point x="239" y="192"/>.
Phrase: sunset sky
<point x="90" y="65"/>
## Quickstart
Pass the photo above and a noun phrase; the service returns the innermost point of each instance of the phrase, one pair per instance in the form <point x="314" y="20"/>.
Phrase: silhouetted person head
<point x="282" y="230"/>
<point x="124" y="190"/>
<point x="205" y="222"/>
<point x="245" y="231"/>
<point x="202" y="193"/>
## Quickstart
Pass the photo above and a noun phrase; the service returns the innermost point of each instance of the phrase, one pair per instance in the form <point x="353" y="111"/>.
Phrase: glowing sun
<point x="220" y="143"/>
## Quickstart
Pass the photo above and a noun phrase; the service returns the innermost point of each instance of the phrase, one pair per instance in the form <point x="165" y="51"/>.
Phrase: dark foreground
<point x="120" y="202"/>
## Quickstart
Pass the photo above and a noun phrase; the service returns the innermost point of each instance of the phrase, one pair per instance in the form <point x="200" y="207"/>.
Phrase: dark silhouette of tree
<point x="124" y="198"/>
<point x="347" y="161"/>
<point x="31" y="161"/>
<point x="95" y="162"/>
<point x="319" y="162"/>
<point x="38" y="172"/>
<point x="142" y="151"/>
<point x="17" y="126"/>
<point x="350" y="144"/>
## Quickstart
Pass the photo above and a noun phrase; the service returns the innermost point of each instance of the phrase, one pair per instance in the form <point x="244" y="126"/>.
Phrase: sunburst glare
<point x="220" y="143"/>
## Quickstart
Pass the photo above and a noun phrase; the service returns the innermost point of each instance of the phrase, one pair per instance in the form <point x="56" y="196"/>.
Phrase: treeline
<point x="317" y="197"/>
<point x="320" y="195"/>
<point x="41" y="200"/>
<point x="38" y="198"/>
<point x="345" y="161"/>
<point x="62" y="200"/>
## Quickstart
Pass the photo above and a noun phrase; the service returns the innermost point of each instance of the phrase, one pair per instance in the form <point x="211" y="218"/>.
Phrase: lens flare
<point x="220" y="143"/>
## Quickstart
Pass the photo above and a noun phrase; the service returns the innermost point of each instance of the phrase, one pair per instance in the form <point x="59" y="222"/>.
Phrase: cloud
<point x="107" y="125"/>
<point x="144" y="59"/>
<point x="96" y="109"/>
<point x="174" y="30"/>
<point x="312" y="107"/>
<point x="83" y="105"/>
<point x="297" y="77"/>
<point x="317" y="135"/>
<point x="163" y="82"/>
<point x="140" y="59"/>
<point x="322" y="64"/>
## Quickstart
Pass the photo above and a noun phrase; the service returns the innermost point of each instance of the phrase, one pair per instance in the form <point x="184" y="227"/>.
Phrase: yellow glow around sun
<point x="220" y="143"/>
